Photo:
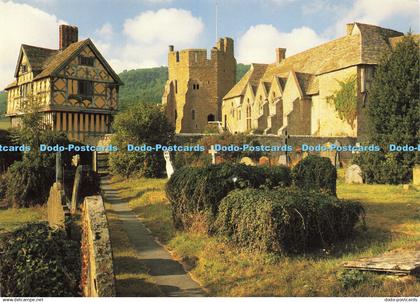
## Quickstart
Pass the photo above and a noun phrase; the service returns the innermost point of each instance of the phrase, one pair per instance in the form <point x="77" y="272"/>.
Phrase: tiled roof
<point x="47" y="62"/>
<point x="365" y="45"/>
<point x="252" y="76"/>
<point x="60" y="58"/>
<point x="38" y="57"/>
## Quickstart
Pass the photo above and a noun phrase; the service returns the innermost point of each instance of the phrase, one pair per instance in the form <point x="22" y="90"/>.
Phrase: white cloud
<point x="106" y="31"/>
<point x="165" y="25"/>
<point x="148" y="36"/>
<point x="258" y="44"/>
<point x="377" y="12"/>
<point x="23" y="24"/>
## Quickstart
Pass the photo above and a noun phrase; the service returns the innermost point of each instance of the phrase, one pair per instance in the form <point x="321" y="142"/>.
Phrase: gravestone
<point x="169" y="167"/>
<point x="75" y="160"/>
<point x="331" y="154"/>
<point x="353" y="175"/>
<point x="264" y="161"/>
<point x="247" y="161"/>
<point x="219" y="159"/>
<point x="58" y="168"/>
<point x="283" y="159"/>
<point x="416" y="175"/>
<point x="213" y="152"/>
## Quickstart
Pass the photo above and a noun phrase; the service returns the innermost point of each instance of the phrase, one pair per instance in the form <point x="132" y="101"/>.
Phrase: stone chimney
<point x="349" y="28"/>
<point x="280" y="54"/>
<point x="67" y="35"/>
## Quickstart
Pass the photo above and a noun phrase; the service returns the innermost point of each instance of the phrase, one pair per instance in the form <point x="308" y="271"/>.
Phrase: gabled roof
<point x="38" y="57"/>
<point x="251" y="76"/>
<point x="363" y="44"/>
<point x="48" y="62"/>
<point x="308" y="83"/>
<point x="63" y="57"/>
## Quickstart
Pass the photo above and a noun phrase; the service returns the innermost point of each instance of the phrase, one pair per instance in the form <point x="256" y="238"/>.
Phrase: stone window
<point x="176" y="86"/>
<point x="193" y="114"/>
<point x="248" y="117"/>
<point x="24" y="68"/>
<point x="177" y="56"/>
<point x="210" y="118"/>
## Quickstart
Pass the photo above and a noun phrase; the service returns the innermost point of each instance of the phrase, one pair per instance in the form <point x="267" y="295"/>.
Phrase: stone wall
<point x="294" y="140"/>
<point x="97" y="267"/>
<point x="57" y="208"/>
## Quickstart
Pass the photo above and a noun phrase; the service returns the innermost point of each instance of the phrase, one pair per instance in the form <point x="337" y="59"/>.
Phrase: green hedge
<point x="315" y="173"/>
<point x="194" y="190"/>
<point x="286" y="219"/>
<point x="37" y="261"/>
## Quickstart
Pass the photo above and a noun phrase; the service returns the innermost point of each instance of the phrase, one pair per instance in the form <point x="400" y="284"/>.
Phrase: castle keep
<point x="73" y="87"/>
<point x="196" y="85"/>
<point x="294" y="95"/>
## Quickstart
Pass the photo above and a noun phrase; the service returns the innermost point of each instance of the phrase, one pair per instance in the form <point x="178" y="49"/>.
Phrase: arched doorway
<point x="210" y="118"/>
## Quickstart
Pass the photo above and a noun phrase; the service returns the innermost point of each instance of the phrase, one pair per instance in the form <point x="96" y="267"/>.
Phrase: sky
<point x="136" y="33"/>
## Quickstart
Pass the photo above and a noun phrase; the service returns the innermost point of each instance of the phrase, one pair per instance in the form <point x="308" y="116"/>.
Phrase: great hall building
<point x="73" y="87"/>
<point x="293" y="95"/>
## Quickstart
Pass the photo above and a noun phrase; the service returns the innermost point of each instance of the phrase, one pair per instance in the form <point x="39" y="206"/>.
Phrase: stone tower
<point x="196" y="85"/>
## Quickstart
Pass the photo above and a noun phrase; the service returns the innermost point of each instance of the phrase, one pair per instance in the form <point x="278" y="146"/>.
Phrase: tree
<point x="394" y="114"/>
<point x="28" y="181"/>
<point x="142" y="124"/>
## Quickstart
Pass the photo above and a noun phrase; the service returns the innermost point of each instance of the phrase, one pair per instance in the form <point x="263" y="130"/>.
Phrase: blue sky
<point x="136" y="33"/>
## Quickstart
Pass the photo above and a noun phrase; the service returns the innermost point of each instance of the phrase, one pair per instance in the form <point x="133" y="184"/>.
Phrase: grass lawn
<point x="4" y="123"/>
<point x="11" y="218"/>
<point x="393" y="222"/>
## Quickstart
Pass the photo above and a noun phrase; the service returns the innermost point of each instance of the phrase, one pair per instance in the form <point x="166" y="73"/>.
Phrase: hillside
<point x="147" y="84"/>
<point x="141" y="85"/>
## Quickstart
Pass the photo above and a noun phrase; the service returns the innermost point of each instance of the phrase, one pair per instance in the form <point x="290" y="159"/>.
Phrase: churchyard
<point x="392" y="223"/>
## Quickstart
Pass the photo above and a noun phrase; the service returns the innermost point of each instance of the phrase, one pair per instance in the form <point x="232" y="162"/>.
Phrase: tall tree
<point x="394" y="115"/>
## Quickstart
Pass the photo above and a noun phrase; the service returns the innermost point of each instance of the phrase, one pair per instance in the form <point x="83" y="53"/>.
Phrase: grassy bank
<point x="13" y="218"/>
<point x="393" y="222"/>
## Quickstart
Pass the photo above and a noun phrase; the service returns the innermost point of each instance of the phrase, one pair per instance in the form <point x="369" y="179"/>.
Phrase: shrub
<point x="29" y="181"/>
<point x="315" y="173"/>
<point x="142" y="124"/>
<point x="39" y="262"/>
<point x="285" y="220"/>
<point x="193" y="191"/>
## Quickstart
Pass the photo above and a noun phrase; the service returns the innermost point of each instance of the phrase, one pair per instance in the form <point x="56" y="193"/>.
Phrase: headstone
<point x="219" y="159"/>
<point x="337" y="159"/>
<point x="353" y="175"/>
<point x="416" y="175"/>
<point x="169" y="167"/>
<point x="264" y="161"/>
<point x="283" y="159"/>
<point x="213" y="152"/>
<point x="329" y="153"/>
<point x="58" y="168"/>
<point x="75" y="160"/>
<point x="247" y="161"/>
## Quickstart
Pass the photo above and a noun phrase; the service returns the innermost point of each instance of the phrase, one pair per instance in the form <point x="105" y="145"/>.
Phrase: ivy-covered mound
<point x="37" y="261"/>
<point x="196" y="191"/>
<point x="285" y="220"/>
<point x="315" y="173"/>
